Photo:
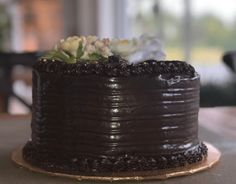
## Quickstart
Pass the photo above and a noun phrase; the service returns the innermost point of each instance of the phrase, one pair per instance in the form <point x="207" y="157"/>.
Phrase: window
<point x="199" y="31"/>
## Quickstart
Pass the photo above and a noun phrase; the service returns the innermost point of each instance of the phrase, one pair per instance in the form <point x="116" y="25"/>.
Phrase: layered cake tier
<point x="96" y="117"/>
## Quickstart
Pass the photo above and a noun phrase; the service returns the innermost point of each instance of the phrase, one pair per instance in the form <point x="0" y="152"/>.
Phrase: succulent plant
<point x="75" y="49"/>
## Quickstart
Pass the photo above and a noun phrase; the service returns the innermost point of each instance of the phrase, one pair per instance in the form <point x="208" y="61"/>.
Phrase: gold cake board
<point x="212" y="158"/>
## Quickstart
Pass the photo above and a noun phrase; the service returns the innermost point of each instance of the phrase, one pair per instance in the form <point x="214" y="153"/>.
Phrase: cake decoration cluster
<point x="86" y="48"/>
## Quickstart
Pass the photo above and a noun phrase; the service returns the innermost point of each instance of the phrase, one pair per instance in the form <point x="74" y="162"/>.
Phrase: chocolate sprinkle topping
<point x="116" y="66"/>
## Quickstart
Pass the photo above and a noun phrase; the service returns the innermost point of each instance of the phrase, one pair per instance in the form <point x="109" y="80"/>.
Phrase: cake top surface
<point x="116" y="66"/>
<point x="112" y="57"/>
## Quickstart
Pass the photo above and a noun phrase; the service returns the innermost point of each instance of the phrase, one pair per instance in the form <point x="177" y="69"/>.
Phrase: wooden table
<point x="217" y="126"/>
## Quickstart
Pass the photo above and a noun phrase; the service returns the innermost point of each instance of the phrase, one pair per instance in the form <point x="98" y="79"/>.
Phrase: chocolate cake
<point x="109" y="116"/>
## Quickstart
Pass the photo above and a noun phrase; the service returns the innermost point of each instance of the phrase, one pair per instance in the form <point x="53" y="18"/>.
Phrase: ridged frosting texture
<point x="101" y="116"/>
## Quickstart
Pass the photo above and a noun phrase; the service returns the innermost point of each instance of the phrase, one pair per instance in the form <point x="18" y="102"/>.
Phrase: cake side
<point x="114" y="117"/>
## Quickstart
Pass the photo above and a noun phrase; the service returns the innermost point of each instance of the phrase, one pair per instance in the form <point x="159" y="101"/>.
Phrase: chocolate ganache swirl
<point x="111" y="117"/>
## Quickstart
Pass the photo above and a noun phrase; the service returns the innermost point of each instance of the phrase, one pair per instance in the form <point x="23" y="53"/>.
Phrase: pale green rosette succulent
<point x="137" y="50"/>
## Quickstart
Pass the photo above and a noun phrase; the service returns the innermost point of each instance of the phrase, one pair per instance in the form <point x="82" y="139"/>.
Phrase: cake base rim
<point x="211" y="159"/>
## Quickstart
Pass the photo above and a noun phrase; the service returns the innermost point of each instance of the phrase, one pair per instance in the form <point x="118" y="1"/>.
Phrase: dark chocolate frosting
<point x="114" y="116"/>
<point x="116" y="66"/>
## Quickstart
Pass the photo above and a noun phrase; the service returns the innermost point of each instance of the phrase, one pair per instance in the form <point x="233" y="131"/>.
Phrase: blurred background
<point x="202" y="32"/>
